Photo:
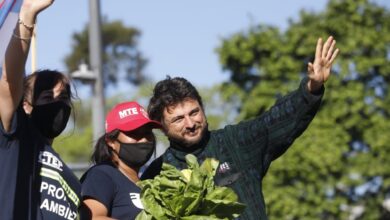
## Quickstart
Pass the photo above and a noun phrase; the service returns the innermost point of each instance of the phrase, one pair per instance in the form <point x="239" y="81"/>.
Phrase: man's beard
<point x="183" y="142"/>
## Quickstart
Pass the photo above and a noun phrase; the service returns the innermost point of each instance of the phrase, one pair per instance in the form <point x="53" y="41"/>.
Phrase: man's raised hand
<point x="319" y="71"/>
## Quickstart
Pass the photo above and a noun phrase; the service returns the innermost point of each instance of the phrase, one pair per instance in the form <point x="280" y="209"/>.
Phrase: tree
<point x="339" y="168"/>
<point x="120" y="52"/>
<point x="120" y="55"/>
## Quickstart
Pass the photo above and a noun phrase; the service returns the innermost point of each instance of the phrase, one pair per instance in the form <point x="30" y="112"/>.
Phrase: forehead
<point x="58" y="91"/>
<point x="181" y="108"/>
<point x="61" y="88"/>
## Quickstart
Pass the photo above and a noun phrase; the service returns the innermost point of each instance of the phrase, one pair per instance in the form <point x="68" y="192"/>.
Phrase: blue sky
<point x="178" y="37"/>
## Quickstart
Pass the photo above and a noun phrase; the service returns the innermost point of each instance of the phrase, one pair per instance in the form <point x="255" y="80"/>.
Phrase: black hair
<point x="46" y="79"/>
<point x="42" y="80"/>
<point x="168" y="92"/>
<point x="102" y="152"/>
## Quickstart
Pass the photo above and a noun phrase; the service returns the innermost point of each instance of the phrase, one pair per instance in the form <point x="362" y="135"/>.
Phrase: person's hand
<point x="319" y="71"/>
<point x="31" y="8"/>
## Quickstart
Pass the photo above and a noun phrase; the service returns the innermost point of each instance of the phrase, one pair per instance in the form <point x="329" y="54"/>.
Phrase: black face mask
<point x="136" y="154"/>
<point x="51" y="118"/>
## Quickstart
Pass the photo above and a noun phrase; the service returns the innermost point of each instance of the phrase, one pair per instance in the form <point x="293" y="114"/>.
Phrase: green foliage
<point x="218" y="111"/>
<point x="121" y="60"/>
<point x="75" y="146"/>
<point x="346" y="147"/>
<point x="188" y="194"/>
<point x="75" y="143"/>
<point x="120" y="52"/>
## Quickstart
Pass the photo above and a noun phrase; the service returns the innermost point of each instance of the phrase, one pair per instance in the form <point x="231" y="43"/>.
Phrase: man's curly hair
<point x="168" y="92"/>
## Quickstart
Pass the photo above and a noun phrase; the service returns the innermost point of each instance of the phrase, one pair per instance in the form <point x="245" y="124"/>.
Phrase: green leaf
<point x="171" y="196"/>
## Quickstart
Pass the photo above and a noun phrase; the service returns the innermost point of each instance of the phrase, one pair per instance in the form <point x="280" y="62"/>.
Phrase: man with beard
<point x="246" y="150"/>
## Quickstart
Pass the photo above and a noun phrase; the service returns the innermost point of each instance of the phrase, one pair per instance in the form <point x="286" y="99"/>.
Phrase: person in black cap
<point x="245" y="151"/>
<point x="34" y="181"/>
<point x="108" y="188"/>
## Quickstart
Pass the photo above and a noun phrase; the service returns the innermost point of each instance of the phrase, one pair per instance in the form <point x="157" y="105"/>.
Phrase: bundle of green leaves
<point x="188" y="194"/>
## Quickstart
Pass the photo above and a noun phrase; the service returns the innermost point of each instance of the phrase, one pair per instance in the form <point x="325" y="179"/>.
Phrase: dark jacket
<point x="246" y="150"/>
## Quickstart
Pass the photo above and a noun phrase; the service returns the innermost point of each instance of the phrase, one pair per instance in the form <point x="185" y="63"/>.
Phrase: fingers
<point x="330" y="50"/>
<point x="327" y="44"/>
<point x="319" y="48"/>
<point x="336" y="52"/>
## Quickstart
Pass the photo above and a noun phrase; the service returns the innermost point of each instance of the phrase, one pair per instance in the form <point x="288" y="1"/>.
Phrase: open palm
<point x="319" y="71"/>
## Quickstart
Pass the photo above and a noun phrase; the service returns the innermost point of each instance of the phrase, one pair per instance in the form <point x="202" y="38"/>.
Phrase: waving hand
<point x="319" y="71"/>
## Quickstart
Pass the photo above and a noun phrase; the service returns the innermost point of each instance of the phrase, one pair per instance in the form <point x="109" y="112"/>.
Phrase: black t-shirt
<point x="34" y="182"/>
<point x="106" y="184"/>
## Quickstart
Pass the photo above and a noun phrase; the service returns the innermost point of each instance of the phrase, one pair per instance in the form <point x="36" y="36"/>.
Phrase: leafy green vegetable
<point x="188" y="194"/>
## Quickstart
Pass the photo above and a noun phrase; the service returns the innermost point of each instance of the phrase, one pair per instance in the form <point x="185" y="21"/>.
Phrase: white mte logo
<point x="128" y="112"/>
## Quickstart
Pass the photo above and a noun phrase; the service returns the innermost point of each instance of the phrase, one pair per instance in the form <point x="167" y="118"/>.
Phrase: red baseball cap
<point x="128" y="116"/>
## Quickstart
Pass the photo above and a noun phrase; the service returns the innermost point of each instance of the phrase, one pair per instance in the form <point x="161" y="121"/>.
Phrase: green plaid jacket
<point x="246" y="150"/>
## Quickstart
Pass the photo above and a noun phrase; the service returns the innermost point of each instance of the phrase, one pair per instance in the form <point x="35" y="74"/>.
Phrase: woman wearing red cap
<point x="109" y="188"/>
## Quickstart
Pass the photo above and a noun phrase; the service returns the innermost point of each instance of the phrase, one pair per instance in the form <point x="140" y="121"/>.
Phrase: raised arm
<point x="11" y="82"/>
<point x="303" y="103"/>
<point x="267" y="137"/>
